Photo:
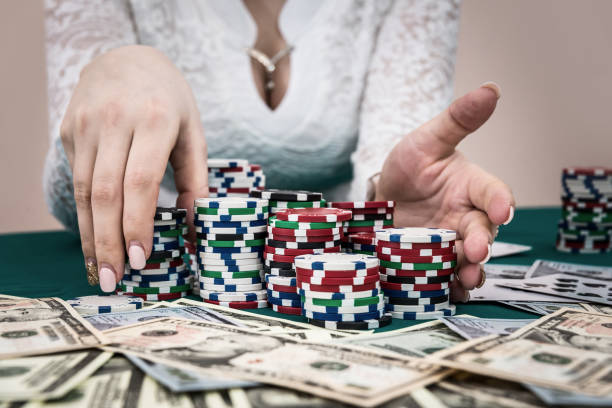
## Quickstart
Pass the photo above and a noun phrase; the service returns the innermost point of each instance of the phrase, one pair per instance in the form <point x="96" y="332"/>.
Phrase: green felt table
<point x="42" y="264"/>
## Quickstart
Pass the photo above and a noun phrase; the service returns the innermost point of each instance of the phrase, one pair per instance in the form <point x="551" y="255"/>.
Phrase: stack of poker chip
<point x="288" y="199"/>
<point x="192" y="265"/>
<point x="165" y="275"/>
<point x="586" y="223"/>
<point x="368" y="216"/>
<point x="93" y="305"/>
<point x="341" y="291"/>
<point x="294" y="232"/>
<point x="231" y="234"/>
<point x="360" y="243"/>
<point x="234" y="178"/>
<point x="416" y="268"/>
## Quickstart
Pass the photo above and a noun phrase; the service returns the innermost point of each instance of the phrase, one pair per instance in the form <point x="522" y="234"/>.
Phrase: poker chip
<point x="231" y="275"/>
<point x="166" y="214"/>
<point x="167" y="246"/>
<point x="225" y="163"/>
<point x="279" y="271"/>
<point x="284" y="302"/>
<point x="97" y="304"/>
<point x="159" y="271"/>
<point x="153" y="290"/>
<point x="156" y="278"/>
<point x="229" y="250"/>
<point x="418" y="308"/>
<point x="343" y="317"/>
<point x="314" y="215"/>
<point x="419" y="280"/>
<point x="417" y="266"/>
<point x="286" y="195"/>
<point x="337" y="288"/>
<point x="296" y="252"/>
<point x="359" y="310"/>
<point x="230" y="287"/>
<point x="279" y="265"/>
<point x="287" y="310"/>
<point x="338" y="295"/>
<point x="281" y="288"/>
<point x="205" y="281"/>
<point x="281" y="280"/>
<point x="368" y="223"/>
<point x="230" y="211"/>
<point x="155" y="297"/>
<point x="165" y="225"/>
<point x="231" y="224"/>
<point x="276" y="223"/>
<point x="363" y="238"/>
<point x="355" y="230"/>
<point x="296" y="204"/>
<point x="231" y="230"/>
<point x="371" y="249"/>
<point x="414" y="273"/>
<point x="361" y="211"/>
<point x="415" y="293"/>
<point x="362" y="204"/>
<point x="231" y="218"/>
<point x="302" y="245"/>
<point x="356" y="302"/>
<point x="336" y="262"/>
<point x="230" y="256"/>
<point x="233" y="296"/>
<point x="416" y="235"/>
<point x="231" y="244"/>
<point x="283" y="295"/>
<point x="417" y="259"/>
<point x="303" y="272"/>
<point x="231" y="237"/>
<point x="371" y="217"/>
<point x="358" y="280"/>
<point x="314" y="238"/>
<point x="416" y="252"/>
<point x="287" y="232"/>
<point x="171" y="233"/>
<point x="385" y="320"/>
<point x="208" y="261"/>
<point x="414" y="286"/>
<point x="416" y="300"/>
<point x="424" y="315"/>
<point x="253" y="304"/>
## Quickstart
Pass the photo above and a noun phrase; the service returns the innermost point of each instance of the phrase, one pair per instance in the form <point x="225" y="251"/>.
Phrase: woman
<point x="343" y="103"/>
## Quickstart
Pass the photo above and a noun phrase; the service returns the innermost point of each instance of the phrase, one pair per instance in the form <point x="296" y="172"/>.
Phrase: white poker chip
<point x="336" y="261"/>
<point x="344" y="309"/>
<point x="227" y="163"/>
<point x="207" y="261"/>
<point x="232" y="268"/>
<point x="416" y="235"/>
<point x="97" y="304"/>
<point x="209" y="254"/>
<point x="231" y="218"/>
<point x="233" y="296"/>
<point x="235" y="231"/>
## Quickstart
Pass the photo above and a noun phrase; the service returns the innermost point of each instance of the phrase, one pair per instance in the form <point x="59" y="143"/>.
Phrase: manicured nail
<point x="91" y="266"/>
<point x="107" y="279"/>
<point x="137" y="255"/>
<point x="510" y="216"/>
<point x="484" y="261"/>
<point x="492" y="86"/>
<point x="467" y="297"/>
<point x="483" y="278"/>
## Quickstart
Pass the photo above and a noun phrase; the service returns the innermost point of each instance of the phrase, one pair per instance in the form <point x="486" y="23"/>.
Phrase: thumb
<point x="439" y="137"/>
<point x="189" y="161"/>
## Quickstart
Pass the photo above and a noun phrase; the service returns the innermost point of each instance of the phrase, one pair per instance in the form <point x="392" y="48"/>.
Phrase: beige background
<point x="552" y="59"/>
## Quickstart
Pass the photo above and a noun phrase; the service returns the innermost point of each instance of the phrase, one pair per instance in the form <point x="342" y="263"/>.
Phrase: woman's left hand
<point x="434" y="185"/>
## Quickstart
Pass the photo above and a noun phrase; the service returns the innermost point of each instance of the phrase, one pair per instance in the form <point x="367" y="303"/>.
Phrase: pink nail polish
<point x="137" y="256"/>
<point x="107" y="279"/>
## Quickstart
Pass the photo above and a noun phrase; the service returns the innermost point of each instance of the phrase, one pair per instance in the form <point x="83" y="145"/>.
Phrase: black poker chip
<point x="286" y="195"/>
<point x="289" y="273"/>
<point x="278" y="265"/>
<point x="416" y="301"/>
<point x="169" y="213"/>
<point x="232" y="237"/>
<point x="302" y="245"/>
<point x="169" y="254"/>
<point x="415" y="280"/>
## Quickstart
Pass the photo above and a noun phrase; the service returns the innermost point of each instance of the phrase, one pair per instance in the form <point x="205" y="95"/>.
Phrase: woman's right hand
<point x="130" y="113"/>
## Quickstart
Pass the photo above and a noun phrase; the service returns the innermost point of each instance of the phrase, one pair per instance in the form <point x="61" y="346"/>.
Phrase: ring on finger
<point x="483" y="278"/>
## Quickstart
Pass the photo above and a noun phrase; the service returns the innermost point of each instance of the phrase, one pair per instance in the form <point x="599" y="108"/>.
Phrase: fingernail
<point x="107" y="279"/>
<point x="137" y="255"/>
<point x="510" y="216"/>
<point x="467" y="297"/>
<point x="91" y="266"/>
<point x="484" y="261"/>
<point x="483" y="278"/>
<point x="492" y="86"/>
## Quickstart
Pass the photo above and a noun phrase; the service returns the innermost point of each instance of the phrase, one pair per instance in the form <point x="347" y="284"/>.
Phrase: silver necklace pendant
<point x="268" y="63"/>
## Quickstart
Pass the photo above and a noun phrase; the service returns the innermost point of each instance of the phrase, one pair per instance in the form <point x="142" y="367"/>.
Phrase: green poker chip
<point x="371" y="300"/>
<point x="230" y="275"/>
<point x="368" y="223"/>
<point x="418" y="266"/>
<point x="296" y="204"/>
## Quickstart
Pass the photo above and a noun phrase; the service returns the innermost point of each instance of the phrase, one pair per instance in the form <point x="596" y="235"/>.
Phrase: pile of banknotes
<point x="188" y="353"/>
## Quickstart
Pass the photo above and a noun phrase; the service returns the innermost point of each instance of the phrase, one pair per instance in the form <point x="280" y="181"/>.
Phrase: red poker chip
<point x="588" y="171"/>
<point x="295" y="252"/>
<point x="337" y="288"/>
<point x="279" y="258"/>
<point x="337" y="274"/>
<point x="171" y="264"/>
<point x="314" y="215"/>
<point x="416" y="274"/>
<point x="416" y="259"/>
<point x="413" y="245"/>
<point x="238" y="305"/>
<point x="287" y="310"/>
<point x="586" y="205"/>
<point x="582" y="245"/>
<point x="250" y="167"/>
<point x="362" y="204"/>
<point x="157" y="297"/>
<point x="413" y="287"/>
<point x="417" y="252"/>
<point x="316" y="238"/>
<point x="360" y="280"/>
<point x="281" y="288"/>
<point x="308" y="233"/>
<point x="364" y="238"/>
<point x="371" y="211"/>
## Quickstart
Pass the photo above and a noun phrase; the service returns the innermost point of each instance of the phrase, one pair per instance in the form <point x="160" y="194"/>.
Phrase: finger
<point x="458" y="292"/>
<point x="189" y="161"/>
<point x="491" y="195"/>
<point x="82" y="173"/>
<point x="145" y="169"/>
<point x="466" y="271"/>
<point x="107" y="205"/>
<point x="439" y="137"/>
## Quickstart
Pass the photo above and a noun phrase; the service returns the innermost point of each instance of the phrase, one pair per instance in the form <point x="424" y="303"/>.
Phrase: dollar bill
<point x="597" y="308"/>
<point x="415" y="341"/>
<point x="542" y="267"/>
<point x="524" y="360"/>
<point x="107" y="321"/>
<point x="572" y="399"/>
<point x="45" y="325"/>
<point x="336" y="371"/>
<point x="473" y="327"/>
<point x="46" y="377"/>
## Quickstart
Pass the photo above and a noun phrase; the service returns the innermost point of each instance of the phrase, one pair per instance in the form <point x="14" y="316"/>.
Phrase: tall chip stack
<point x="341" y="291"/>
<point x="417" y="266"/>
<point x="294" y="232"/>
<point x="234" y="177"/>
<point x="165" y="275"/>
<point x="367" y="217"/>
<point x="586" y="216"/>
<point x="230" y="235"/>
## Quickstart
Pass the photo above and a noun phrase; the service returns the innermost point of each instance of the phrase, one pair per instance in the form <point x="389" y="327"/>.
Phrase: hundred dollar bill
<point x="415" y="341"/>
<point x="474" y="327"/>
<point x="46" y="377"/>
<point x="543" y="267"/>
<point x="572" y="399"/>
<point x="107" y="321"/>
<point x="543" y="364"/>
<point x="45" y="325"/>
<point x="340" y="372"/>
<point x="602" y="309"/>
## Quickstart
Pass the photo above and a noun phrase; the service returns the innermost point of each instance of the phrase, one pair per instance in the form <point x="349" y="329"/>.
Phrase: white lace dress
<point x="364" y="73"/>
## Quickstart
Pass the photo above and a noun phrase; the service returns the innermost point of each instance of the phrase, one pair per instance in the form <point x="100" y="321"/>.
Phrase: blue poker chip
<point x="135" y="276"/>
<point x="154" y="284"/>
<point x="339" y="296"/>
<point x="360" y="247"/>
<point x="96" y="304"/>
<point x="281" y="280"/>
<point x="232" y="218"/>
<point x="375" y="307"/>
<point x="229" y="268"/>
<point x="224" y="175"/>
<point x="230" y="250"/>
<point x="283" y="295"/>
<point x="232" y="297"/>
<point x="161" y="228"/>
<point x="230" y="224"/>
<point x="222" y="281"/>
<point x="346" y="317"/>
<point x="164" y="271"/>
<point x="284" y="302"/>
<point x="230" y="230"/>
<point x="256" y="182"/>
<point x="165" y="246"/>
<point x="434" y="314"/>
<point x="410" y="293"/>
<point x="229" y="262"/>
<point x="231" y="288"/>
